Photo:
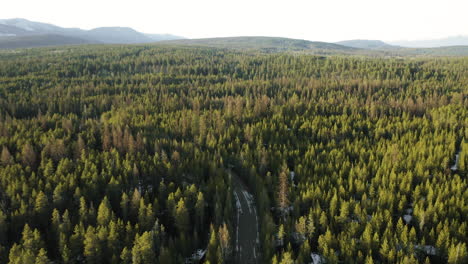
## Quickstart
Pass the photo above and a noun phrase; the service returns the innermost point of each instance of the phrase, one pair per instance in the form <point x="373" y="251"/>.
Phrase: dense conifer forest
<point x="123" y="154"/>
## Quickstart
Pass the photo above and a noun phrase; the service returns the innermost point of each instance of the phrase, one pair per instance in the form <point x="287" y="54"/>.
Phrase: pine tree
<point x="3" y="228"/>
<point x="281" y="234"/>
<point x="367" y="237"/>
<point x="41" y="205"/>
<point x="142" y="216"/>
<point x="30" y="248"/>
<point x="76" y="241"/>
<point x="143" y="249"/>
<point x="17" y="256"/>
<point x="92" y="246"/>
<point x="182" y="217"/>
<point x="283" y="190"/>
<point x="104" y="215"/>
<point x="106" y="139"/>
<point x="287" y="258"/>
<point x="83" y="211"/>
<point x="28" y="156"/>
<point x="224" y="240"/>
<point x="65" y="254"/>
<point x="42" y="257"/>
<point x="211" y="254"/>
<point x="301" y="226"/>
<point x="55" y="230"/>
<point x="126" y="256"/>
<point x="124" y="204"/>
<point x="80" y="147"/>
<point x="310" y="225"/>
<point x="304" y="253"/>
<point x="200" y="210"/>
<point x="31" y="240"/>
<point x="135" y="204"/>
<point x="5" y="157"/>
<point x="274" y="260"/>
<point x="369" y="260"/>
<point x="457" y="253"/>
<point x="58" y="150"/>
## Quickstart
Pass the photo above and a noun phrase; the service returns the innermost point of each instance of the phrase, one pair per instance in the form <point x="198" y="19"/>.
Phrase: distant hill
<point x="275" y="44"/>
<point x="161" y="37"/>
<point x="394" y="50"/>
<point x="7" y="30"/>
<point x="32" y="28"/>
<point x="22" y="33"/>
<point x="365" y="44"/>
<point x="440" y="51"/>
<point x="434" y="43"/>
<point x="116" y="35"/>
<point x="43" y="40"/>
<point x="13" y="34"/>
<point x="267" y="44"/>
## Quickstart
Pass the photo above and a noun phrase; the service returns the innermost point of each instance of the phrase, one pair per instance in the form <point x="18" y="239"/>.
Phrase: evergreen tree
<point x="283" y="190"/>
<point x="143" y="249"/>
<point x="41" y="257"/>
<point x="287" y="258"/>
<point x="28" y="156"/>
<point x="104" y="215"/>
<point x="182" y="217"/>
<point x="5" y="157"/>
<point x="92" y="246"/>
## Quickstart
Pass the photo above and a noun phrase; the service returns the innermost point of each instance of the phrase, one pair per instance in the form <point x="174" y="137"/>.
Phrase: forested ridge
<point x="119" y="154"/>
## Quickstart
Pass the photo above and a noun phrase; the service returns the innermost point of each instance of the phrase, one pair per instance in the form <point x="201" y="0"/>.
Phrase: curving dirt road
<point x="246" y="248"/>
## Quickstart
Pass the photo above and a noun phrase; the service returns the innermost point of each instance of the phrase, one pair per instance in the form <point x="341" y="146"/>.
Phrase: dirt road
<point x="246" y="248"/>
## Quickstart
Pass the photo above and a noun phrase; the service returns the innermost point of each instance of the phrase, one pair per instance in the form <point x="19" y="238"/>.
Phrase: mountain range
<point x="273" y="44"/>
<point x="22" y="33"/>
<point x="18" y="32"/>
<point x="352" y="47"/>
<point x="433" y="43"/>
<point x="365" y="44"/>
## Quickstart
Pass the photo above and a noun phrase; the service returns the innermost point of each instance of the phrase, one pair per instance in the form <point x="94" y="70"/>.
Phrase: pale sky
<point x="320" y="20"/>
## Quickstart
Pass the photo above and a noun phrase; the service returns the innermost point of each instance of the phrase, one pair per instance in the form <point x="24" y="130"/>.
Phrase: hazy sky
<point x="325" y="20"/>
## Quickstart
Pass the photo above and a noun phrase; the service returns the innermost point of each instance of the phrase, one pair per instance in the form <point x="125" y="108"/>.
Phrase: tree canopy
<point x="118" y="154"/>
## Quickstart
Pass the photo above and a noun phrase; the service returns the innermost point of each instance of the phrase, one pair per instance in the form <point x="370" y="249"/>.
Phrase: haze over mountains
<point x="22" y="33"/>
<point x="355" y="47"/>
<point x="365" y="44"/>
<point x="433" y="43"/>
<point x="262" y="43"/>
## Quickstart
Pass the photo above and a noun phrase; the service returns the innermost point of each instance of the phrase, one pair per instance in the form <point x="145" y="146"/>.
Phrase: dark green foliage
<point x="118" y="155"/>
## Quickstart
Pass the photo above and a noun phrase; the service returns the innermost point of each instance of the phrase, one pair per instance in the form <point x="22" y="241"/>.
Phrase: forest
<point x="122" y="154"/>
